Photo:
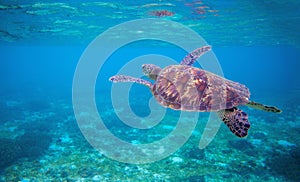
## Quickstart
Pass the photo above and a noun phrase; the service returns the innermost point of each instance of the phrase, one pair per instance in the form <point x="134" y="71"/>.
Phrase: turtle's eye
<point x="144" y="67"/>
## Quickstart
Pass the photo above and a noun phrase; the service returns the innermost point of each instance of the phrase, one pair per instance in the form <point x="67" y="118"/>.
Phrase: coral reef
<point x="50" y="147"/>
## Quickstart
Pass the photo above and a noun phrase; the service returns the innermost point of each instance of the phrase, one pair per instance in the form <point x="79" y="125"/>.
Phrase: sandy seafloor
<point x="256" y="43"/>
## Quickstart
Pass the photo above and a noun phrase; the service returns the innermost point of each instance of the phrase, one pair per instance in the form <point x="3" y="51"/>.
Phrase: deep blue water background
<point x="49" y="69"/>
<point x="256" y="43"/>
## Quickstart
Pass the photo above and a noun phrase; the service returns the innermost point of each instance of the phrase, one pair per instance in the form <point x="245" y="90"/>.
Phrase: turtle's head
<point x="151" y="70"/>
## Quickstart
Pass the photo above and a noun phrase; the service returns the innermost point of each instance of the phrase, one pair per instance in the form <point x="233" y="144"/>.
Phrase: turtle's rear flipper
<point x="259" y="106"/>
<point x="236" y="120"/>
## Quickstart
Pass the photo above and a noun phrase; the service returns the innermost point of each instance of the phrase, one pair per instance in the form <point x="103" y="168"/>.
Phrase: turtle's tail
<point x="259" y="106"/>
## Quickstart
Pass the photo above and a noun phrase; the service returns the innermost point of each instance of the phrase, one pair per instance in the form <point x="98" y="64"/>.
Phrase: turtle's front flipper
<point x="124" y="78"/>
<point x="256" y="105"/>
<point x="236" y="120"/>
<point x="194" y="55"/>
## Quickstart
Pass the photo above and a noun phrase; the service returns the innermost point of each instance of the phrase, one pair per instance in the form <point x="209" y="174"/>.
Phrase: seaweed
<point x="200" y="178"/>
<point x="44" y="125"/>
<point x="240" y="144"/>
<point x="9" y="152"/>
<point x="33" y="144"/>
<point x="195" y="153"/>
<point x="286" y="164"/>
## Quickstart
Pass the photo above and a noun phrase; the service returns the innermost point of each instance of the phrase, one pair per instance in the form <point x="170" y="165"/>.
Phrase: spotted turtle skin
<point x="182" y="87"/>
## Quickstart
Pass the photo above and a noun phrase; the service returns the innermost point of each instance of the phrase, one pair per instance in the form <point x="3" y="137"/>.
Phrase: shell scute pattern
<point x="176" y="87"/>
<point x="193" y="89"/>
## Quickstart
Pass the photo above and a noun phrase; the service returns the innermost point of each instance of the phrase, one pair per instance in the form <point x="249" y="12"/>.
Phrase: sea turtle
<point x="183" y="87"/>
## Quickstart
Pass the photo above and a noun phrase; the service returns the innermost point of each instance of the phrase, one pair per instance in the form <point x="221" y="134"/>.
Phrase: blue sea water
<point x="257" y="43"/>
